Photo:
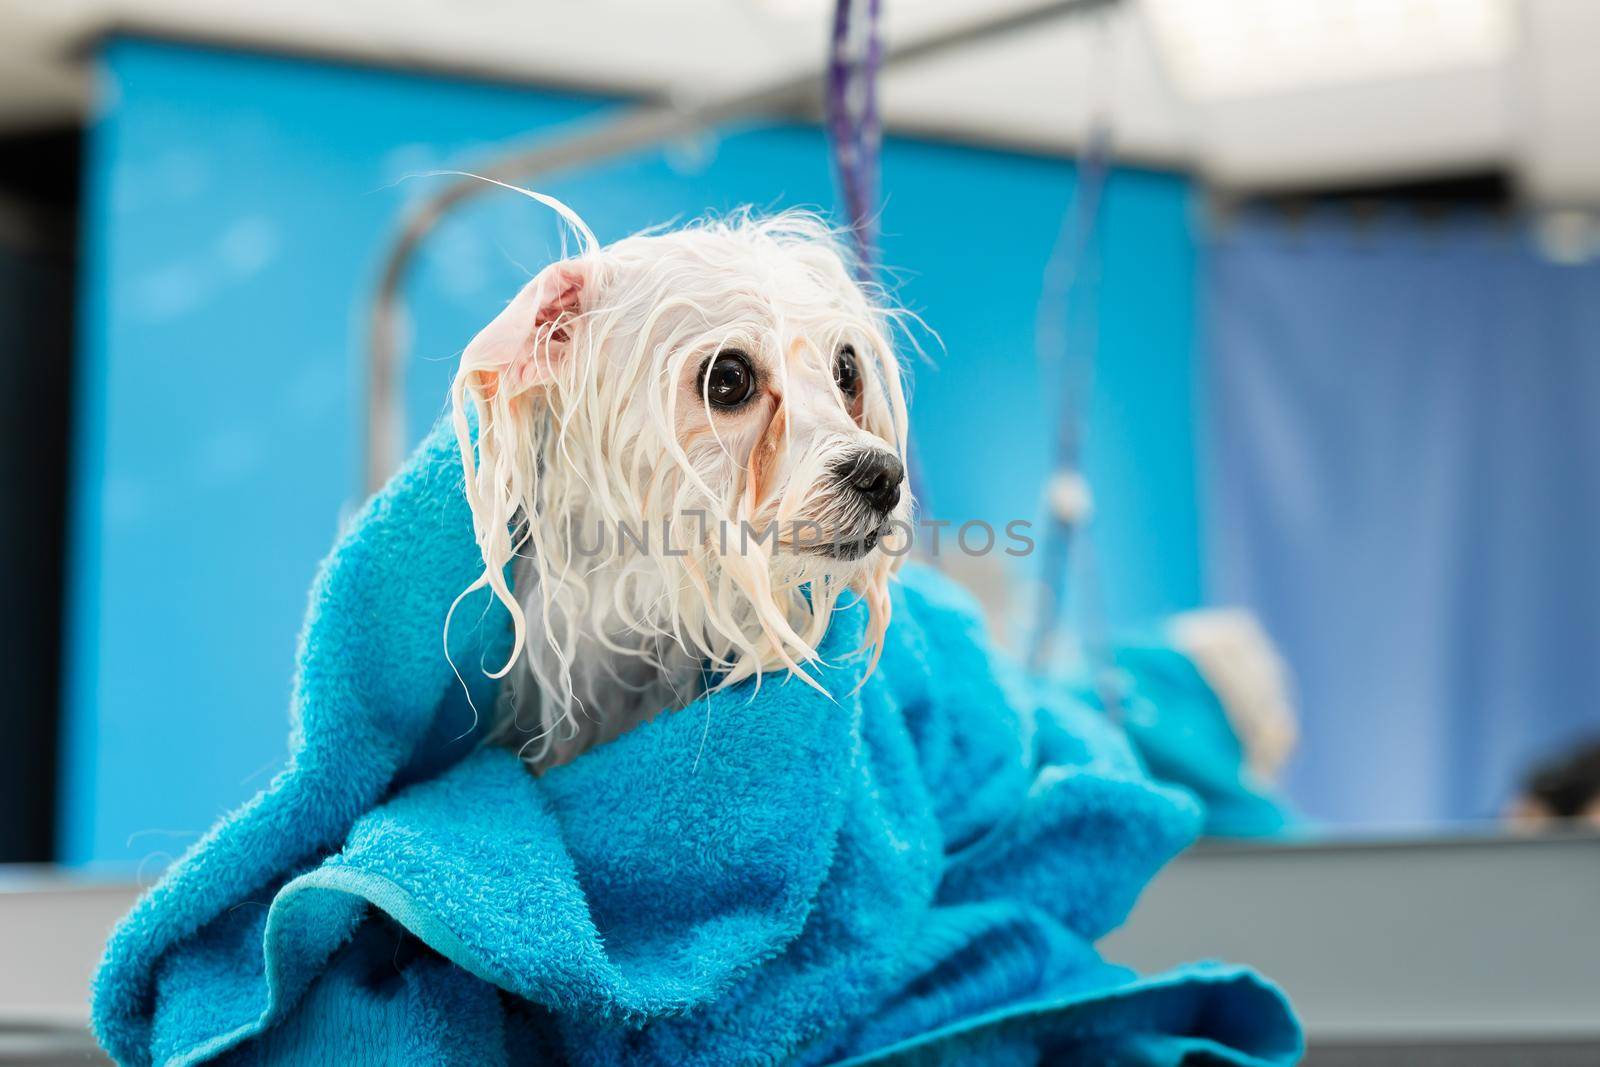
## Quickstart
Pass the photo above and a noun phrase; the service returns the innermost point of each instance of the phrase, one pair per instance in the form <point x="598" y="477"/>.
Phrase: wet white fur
<point x="596" y="418"/>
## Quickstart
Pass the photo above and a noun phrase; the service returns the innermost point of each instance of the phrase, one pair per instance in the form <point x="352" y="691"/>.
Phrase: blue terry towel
<point x="1176" y="723"/>
<point x="915" y="871"/>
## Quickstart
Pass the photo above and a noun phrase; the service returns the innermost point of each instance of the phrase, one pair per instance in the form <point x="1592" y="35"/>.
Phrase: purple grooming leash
<point x="854" y="128"/>
<point x="855" y="132"/>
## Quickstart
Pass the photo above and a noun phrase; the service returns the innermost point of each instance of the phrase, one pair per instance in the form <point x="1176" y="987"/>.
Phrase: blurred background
<point x="1305" y="293"/>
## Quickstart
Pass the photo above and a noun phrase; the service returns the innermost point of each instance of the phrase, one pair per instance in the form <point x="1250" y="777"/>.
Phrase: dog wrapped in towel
<point x="897" y="851"/>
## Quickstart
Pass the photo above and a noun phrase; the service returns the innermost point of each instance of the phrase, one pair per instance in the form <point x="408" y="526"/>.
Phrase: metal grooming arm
<point x="641" y="127"/>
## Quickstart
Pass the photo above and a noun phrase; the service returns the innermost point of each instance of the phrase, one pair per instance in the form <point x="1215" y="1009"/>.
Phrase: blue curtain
<point x="1402" y="429"/>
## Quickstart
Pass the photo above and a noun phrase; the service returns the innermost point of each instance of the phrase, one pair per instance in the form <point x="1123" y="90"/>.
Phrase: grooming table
<point x="1428" y="950"/>
<point x="1418" y="951"/>
<point x="53" y="926"/>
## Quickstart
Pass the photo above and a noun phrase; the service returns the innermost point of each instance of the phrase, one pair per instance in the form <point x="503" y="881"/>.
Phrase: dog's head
<point x="698" y="437"/>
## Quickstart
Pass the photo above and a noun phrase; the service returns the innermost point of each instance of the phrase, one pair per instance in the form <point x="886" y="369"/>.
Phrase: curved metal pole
<point x="640" y="128"/>
<point x="606" y="137"/>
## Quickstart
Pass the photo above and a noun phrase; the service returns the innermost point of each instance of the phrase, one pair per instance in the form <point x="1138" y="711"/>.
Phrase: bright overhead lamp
<point x="1237" y="48"/>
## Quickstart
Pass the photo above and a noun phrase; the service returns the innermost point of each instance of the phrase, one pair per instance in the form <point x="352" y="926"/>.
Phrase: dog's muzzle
<point x="874" y="475"/>
<point x="870" y="478"/>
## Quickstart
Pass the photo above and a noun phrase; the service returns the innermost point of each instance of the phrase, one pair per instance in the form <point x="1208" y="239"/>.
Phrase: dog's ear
<point x="523" y="347"/>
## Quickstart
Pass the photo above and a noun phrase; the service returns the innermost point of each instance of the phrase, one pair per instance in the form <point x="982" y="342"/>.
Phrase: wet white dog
<point x="686" y="447"/>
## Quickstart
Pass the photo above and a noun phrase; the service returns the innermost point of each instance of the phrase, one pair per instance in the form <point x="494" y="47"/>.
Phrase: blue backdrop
<point x="236" y="207"/>
<point x="1405" y="483"/>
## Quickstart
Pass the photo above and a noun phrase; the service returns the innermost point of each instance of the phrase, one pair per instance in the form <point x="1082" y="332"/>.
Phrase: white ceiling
<point x="1253" y="93"/>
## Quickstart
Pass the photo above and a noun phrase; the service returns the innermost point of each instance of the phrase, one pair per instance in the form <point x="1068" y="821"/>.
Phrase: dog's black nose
<point x="876" y="474"/>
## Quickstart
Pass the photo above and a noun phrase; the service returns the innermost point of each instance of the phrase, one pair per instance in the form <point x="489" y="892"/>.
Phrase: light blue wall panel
<point x="235" y="210"/>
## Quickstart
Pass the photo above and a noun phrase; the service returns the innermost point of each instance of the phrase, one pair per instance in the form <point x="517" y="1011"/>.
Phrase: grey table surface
<point x="1427" y="950"/>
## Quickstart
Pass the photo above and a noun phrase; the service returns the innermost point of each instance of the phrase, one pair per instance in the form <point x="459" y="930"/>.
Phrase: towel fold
<point x="1176" y="723"/>
<point x="910" y="869"/>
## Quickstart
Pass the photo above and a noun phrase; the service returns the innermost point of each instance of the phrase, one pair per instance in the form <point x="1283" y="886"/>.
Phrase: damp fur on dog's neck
<point x="618" y="680"/>
<point x="585" y="416"/>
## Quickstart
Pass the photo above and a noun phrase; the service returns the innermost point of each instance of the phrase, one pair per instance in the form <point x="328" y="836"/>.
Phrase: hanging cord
<point x="1067" y="335"/>
<point x="1067" y="330"/>
<point x="855" y="135"/>
<point x="855" y="130"/>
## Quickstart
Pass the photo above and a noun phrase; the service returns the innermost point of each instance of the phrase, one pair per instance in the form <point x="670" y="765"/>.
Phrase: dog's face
<point x="727" y="390"/>
<point x="787" y="419"/>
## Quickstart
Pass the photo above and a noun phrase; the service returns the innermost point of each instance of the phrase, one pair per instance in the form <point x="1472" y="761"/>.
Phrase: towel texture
<point x="1176" y="724"/>
<point x="914" y="870"/>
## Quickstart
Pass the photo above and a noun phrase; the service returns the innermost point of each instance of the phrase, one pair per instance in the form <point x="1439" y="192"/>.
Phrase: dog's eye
<point x="846" y="374"/>
<point x="728" y="379"/>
